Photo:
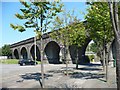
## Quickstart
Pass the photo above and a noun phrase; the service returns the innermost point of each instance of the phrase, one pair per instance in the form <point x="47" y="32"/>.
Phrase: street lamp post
<point x="35" y="47"/>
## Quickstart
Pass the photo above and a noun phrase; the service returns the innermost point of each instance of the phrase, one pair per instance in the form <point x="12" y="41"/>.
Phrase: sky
<point x="7" y="11"/>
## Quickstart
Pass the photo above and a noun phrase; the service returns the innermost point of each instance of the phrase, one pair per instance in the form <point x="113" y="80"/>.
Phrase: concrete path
<point x="87" y="76"/>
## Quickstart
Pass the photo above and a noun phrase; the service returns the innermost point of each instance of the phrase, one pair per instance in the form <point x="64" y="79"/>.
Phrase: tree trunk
<point x="116" y="28"/>
<point x="77" y="59"/>
<point x="104" y="59"/>
<point x="65" y="53"/>
<point x="118" y="62"/>
<point x="42" y="67"/>
<point x="108" y="48"/>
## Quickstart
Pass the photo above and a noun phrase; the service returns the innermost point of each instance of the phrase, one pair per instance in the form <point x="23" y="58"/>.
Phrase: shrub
<point x="91" y="57"/>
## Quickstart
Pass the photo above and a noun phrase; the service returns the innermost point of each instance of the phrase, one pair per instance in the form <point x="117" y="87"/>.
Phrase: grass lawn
<point x="9" y="61"/>
<point x="12" y="61"/>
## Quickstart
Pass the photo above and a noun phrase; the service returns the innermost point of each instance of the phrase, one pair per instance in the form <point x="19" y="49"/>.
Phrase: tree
<point x="60" y="33"/>
<point x="70" y="31"/>
<point x="99" y="27"/>
<point x="114" y="9"/>
<point x="93" y="47"/>
<point x="37" y="15"/>
<point x="0" y="51"/>
<point x="77" y="37"/>
<point x="6" y="51"/>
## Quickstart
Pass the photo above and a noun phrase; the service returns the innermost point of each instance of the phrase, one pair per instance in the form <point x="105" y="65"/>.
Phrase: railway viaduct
<point x="52" y="50"/>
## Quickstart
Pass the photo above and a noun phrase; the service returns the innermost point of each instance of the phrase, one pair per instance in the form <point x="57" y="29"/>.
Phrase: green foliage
<point x="20" y="28"/>
<point x="37" y="15"/>
<point x="91" y="57"/>
<point x="77" y="34"/>
<point x="68" y="30"/>
<point x="94" y="47"/>
<point x="24" y="3"/>
<point x="0" y="51"/>
<point x="98" y="23"/>
<point x="6" y="51"/>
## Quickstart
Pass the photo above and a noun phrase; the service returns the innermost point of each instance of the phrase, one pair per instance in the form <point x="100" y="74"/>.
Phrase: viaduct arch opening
<point x="52" y="51"/>
<point x="82" y="58"/>
<point x="24" y="53"/>
<point x="16" y="54"/>
<point x="32" y="52"/>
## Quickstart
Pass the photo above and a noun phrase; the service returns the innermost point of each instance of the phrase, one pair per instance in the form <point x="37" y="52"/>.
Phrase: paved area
<point x="87" y="76"/>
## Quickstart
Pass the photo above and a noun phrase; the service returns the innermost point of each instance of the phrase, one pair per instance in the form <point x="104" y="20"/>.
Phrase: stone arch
<point x="16" y="54"/>
<point x="24" y="53"/>
<point x="90" y="55"/>
<point x="81" y="52"/>
<point x="52" y="51"/>
<point x="32" y="52"/>
<point x="73" y="53"/>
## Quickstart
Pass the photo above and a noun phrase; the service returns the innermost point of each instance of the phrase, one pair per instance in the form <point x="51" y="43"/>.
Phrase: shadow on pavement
<point x="35" y="76"/>
<point x="55" y="71"/>
<point x="61" y="71"/>
<point x="5" y="89"/>
<point x="91" y="64"/>
<point x="89" y="69"/>
<point x="86" y="75"/>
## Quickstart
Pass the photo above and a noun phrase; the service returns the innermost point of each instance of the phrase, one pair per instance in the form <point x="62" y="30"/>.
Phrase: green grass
<point x="12" y="61"/>
<point x="38" y="62"/>
<point x="9" y="61"/>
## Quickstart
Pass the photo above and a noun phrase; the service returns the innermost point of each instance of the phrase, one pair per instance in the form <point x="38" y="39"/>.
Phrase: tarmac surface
<point x="87" y="76"/>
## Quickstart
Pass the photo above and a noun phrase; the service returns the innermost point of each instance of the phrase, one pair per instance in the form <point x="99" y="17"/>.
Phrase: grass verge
<point x="9" y="61"/>
<point x="12" y="61"/>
